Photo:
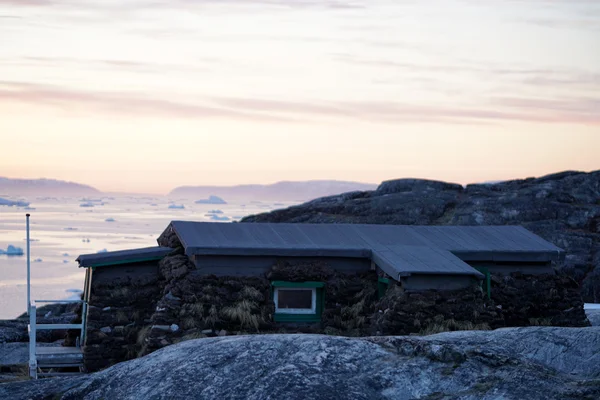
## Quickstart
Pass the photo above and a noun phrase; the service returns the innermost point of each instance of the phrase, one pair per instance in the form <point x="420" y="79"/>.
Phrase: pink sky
<point x="145" y="95"/>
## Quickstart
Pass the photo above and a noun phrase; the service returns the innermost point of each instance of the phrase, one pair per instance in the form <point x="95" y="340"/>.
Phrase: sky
<point x="147" y="95"/>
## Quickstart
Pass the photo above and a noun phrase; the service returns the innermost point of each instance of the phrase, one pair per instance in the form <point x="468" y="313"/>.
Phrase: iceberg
<point x="211" y="200"/>
<point x="220" y="218"/>
<point x="12" y="251"/>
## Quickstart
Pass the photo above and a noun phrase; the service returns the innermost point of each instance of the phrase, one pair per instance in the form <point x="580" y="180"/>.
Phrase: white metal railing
<point x="34" y="327"/>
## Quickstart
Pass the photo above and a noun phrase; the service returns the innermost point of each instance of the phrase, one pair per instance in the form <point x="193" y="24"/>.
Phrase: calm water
<point x="61" y="230"/>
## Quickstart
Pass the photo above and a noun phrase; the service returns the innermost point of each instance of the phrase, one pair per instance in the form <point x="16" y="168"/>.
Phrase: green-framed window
<point x="382" y="286"/>
<point x="298" y="301"/>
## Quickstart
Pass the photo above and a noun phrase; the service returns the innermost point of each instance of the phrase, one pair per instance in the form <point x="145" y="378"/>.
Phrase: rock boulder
<point x="531" y="363"/>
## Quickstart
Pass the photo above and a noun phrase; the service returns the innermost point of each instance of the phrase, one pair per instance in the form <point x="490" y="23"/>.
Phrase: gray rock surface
<point x="13" y="331"/>
<point x="594" y="317"/>
<point x="562" y="208"/>
<point x="13" y="354"/>
<point x="521" y="363"/>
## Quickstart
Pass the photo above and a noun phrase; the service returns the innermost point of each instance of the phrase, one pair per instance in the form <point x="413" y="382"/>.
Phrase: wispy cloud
<point x="578" y="110"/>
<point x="79" y="101"/>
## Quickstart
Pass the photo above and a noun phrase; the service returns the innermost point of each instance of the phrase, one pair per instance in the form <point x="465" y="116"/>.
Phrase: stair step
<point x="55" y="365"/>
<point x="59" y="373"/>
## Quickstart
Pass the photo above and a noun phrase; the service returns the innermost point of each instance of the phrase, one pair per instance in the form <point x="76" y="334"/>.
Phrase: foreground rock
<point x="562" y="208"/>
<point x="532" y="363"/>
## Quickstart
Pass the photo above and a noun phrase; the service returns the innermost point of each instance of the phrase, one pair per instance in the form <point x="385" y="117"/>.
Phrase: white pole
<point x="28" y="268"/>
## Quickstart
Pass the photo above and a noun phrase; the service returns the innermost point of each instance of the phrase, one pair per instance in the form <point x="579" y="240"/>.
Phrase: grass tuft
<point x="244" y="312"/>
<point x="540" y="321"/>
<point x="451" y="325"/>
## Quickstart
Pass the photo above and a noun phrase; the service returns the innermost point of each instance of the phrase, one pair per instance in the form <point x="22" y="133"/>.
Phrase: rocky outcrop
<point x="15" y="330"/>
<point x="524" y="363"/>
<point x="563" y="208"/>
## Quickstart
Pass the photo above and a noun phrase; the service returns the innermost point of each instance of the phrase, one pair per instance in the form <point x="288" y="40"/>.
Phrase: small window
<point x="298" y="301"/>
<point x="295" y="300"/>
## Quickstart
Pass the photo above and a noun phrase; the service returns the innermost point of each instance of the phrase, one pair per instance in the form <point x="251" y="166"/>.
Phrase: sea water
<point x="64" y="228"/>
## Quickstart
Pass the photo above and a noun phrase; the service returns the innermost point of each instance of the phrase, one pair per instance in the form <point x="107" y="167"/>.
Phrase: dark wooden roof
<point x="398" y="250"/>
<point x="123" y="256"/>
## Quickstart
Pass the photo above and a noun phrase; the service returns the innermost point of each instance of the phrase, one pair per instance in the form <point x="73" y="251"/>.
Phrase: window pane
<point x="290" y="298"/>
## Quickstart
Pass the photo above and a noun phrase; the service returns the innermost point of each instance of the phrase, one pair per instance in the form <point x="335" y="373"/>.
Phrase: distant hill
<point x="280" y="191"/>
<point x="43" y="187"/>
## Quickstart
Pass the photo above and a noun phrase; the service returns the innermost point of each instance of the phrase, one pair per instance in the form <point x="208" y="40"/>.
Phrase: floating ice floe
<point x="69" y="228"/>
<point x="38" y="260"/>
<point x="11" y="203"/>
<point x="109" y="220"/>
<point x="88" y="204"/>
<point x="176" y="206"/>
<point x="65" y="254"/>
<point x="12" y="251"/>
<point x="215" y="212"/>
<point x="65" y="261"/>
<point x="102" y="251"/>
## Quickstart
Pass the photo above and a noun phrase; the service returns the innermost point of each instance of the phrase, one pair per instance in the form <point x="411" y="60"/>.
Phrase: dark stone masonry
<point x="170" y="301"/>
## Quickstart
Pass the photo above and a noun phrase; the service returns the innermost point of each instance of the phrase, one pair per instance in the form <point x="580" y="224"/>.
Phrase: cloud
<point x="138" y="104"/>
<point x="546" y="110"/>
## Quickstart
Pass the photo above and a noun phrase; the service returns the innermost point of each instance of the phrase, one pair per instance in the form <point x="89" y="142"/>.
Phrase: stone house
<point x="207" y="279"/>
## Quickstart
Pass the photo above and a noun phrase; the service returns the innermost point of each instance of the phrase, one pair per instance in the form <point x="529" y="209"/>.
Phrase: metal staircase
<point x="48" y="361"/>
<point x="52" y="361"/>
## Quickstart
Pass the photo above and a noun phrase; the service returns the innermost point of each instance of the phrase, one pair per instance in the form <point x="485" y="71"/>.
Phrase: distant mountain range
<point x="44" y="187"/>
<point x="280" y="191"/>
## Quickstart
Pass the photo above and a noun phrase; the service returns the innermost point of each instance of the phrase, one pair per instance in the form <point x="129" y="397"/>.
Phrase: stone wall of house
<point x="118" y="311"/>
<point x="539" y="300"/>
<point x="135" y="318"/>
